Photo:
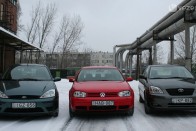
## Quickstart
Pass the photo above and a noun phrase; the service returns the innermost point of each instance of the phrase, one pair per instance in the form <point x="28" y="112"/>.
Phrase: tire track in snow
<point x="10" y="125"/>
<point x="67" y="124"/>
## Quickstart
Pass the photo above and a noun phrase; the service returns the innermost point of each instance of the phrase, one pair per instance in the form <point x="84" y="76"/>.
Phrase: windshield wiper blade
<point x="27" y="79"/>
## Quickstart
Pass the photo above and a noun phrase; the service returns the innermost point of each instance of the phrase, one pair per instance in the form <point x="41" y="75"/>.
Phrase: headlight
<point x="124" y="93"/>
<point x="79" y="94"/>
<point x="155" y="90"/>
<point x="2" y="95"/>
<point x="50" y="93"/>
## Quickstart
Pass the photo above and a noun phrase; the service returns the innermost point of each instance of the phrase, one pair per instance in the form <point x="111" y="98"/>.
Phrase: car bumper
<point x="164" y="102"/>
<point x="43" y="106"/>
<point x="85" y="104"/>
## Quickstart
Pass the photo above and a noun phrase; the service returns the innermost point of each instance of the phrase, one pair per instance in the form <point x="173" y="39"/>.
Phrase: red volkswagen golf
<point x="100" y="89"/>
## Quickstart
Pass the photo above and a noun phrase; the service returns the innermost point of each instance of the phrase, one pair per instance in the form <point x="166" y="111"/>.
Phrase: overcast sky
<point x="108" y="22"/>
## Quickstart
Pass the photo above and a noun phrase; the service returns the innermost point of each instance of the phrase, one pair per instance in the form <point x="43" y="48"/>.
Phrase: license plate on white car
<point x="23" y="105"/>
<point x="102" y="103"/>
<point x="182" y="100"/>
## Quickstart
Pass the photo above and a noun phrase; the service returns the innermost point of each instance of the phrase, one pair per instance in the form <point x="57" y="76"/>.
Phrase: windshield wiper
<point x="27" y="79"/>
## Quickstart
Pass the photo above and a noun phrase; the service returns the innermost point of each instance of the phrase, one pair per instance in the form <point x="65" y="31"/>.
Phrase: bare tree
<point x="19" y="13"/>
<point x="42" y="21"/>
<point x="72" y="29"/>
<point x="180" y="45"/>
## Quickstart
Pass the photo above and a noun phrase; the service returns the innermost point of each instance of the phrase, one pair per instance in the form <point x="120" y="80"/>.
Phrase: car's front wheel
<point x="147" y="108"/>
<point x="140" y="99"/>
<point x="56" y="113"/>
<point x="71" y="113"/>
<point x="130" y="112"/>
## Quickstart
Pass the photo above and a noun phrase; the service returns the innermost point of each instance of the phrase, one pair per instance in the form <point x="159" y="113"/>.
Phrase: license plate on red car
<point x="102" y="103"/>
<point x="182" y="100"/>
<point x="23" y="105"/>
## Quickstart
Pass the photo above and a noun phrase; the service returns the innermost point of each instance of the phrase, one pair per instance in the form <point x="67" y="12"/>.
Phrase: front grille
<point x="102" y="108"/>
<point x="10" y="110"/>
<point x="24" y="97"/>
<point x="81" y="108"/>
<point x="107" y="94"/>
<point x="175" y="92"/>
<point x="182" y="105"/>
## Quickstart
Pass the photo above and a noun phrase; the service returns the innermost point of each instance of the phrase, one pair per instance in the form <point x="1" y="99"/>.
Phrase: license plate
<point x="102" y="103"/>
<point x="182" y="100"/>
<point x="23" y="105"/>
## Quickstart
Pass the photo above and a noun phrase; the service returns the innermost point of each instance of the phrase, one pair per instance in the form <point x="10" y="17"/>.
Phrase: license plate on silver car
<point x="23" y="105"/>
<point x="182" y="100"/>
<point x="102" y="103"/>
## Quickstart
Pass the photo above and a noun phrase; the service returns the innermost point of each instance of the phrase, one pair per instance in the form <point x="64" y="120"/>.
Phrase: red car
<point x="100" y="89"/>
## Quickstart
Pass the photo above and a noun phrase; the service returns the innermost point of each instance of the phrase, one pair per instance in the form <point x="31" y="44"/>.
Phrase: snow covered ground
<point x="168" y="121"/>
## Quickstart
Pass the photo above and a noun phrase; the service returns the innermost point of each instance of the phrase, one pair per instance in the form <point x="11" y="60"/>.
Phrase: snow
<point x="164" y="121"/>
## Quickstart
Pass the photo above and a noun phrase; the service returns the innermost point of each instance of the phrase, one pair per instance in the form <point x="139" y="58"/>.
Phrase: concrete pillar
<point x="121" y="60"/>
<point x="187" y="47"/>
<point x="155" y="53"/>
<point x="114" y="56"/>
<point x="138" y="65"/>
<point x="172" y="50"/>
<point x="130" y="64"/>
<point x="127" y="62"/>
<point x="150" y="56"/>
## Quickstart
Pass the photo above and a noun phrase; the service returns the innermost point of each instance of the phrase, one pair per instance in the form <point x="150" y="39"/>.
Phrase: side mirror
<point x="129" y="79"/>
<point x="71" y="79"/>
<point x="57" y="79"/>
<point x="142" y="77"/>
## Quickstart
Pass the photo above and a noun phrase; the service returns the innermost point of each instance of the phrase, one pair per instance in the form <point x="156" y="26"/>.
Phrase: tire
<point x="147" y="108"/>
<point x="71" y="113"/>
<point x="56" y="113"/>
<point x="130" y="112"/>
<point x="140" y="99"/>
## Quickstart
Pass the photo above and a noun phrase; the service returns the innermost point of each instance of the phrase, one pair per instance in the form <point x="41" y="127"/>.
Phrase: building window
<point x="1" y="13"/>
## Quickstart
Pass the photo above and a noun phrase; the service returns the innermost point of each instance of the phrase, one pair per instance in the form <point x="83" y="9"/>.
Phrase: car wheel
<point x="56" y="113"/>
<point x="130" y="112"/>
<point x="148" y="110"/>
<point x="71" y="113"/>
<point x="140" y="99"/>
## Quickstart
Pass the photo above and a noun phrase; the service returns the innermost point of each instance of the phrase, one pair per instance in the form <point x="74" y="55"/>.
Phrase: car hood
<point x="36" y="88"/>
<point x="173" y="83"/>
<point x="101" y="86"/>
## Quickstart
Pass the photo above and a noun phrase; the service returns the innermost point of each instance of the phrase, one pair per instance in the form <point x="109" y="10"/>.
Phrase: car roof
<point x="95" y="67"/>
<point x="27" y="64"/>
<point x="166" y="65"/>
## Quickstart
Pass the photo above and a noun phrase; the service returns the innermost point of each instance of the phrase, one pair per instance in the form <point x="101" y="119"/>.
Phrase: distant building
<point x="73" y="59"/>
<point x="101" y="58"/>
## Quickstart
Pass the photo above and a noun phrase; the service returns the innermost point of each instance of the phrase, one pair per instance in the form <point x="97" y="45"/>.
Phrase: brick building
<point x="8" y="15"/>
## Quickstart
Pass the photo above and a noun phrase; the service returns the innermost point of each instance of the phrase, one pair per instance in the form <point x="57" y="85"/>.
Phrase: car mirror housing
<point x="142" y="77"/>
<point x="71" y="79"/>
<point x="129" y="79"/>
<point x="57" y="79"/>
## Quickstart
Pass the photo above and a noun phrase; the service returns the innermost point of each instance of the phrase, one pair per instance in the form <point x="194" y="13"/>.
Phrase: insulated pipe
<point x="171" y="18"/>
<point x="161" y="24"/>
<point x="117" y="55"/>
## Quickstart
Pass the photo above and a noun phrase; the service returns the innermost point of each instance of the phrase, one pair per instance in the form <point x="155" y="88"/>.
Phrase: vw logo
<point x="180" y="90"/>
<point x="102" y="94"/>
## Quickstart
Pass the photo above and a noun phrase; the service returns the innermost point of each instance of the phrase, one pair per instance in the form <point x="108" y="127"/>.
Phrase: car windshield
<point x="27" y="72"/>
<point x="165" y="72"/>
<point x="101" y="74"/>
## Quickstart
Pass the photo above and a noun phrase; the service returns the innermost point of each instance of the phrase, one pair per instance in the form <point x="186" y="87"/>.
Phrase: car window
<point x="28" y="72"/>
<point x="102" y="74"/>
<point x="170" y="72"/>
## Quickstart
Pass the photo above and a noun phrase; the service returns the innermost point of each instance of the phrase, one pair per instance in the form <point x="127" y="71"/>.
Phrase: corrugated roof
<point x="10" y="39"/>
